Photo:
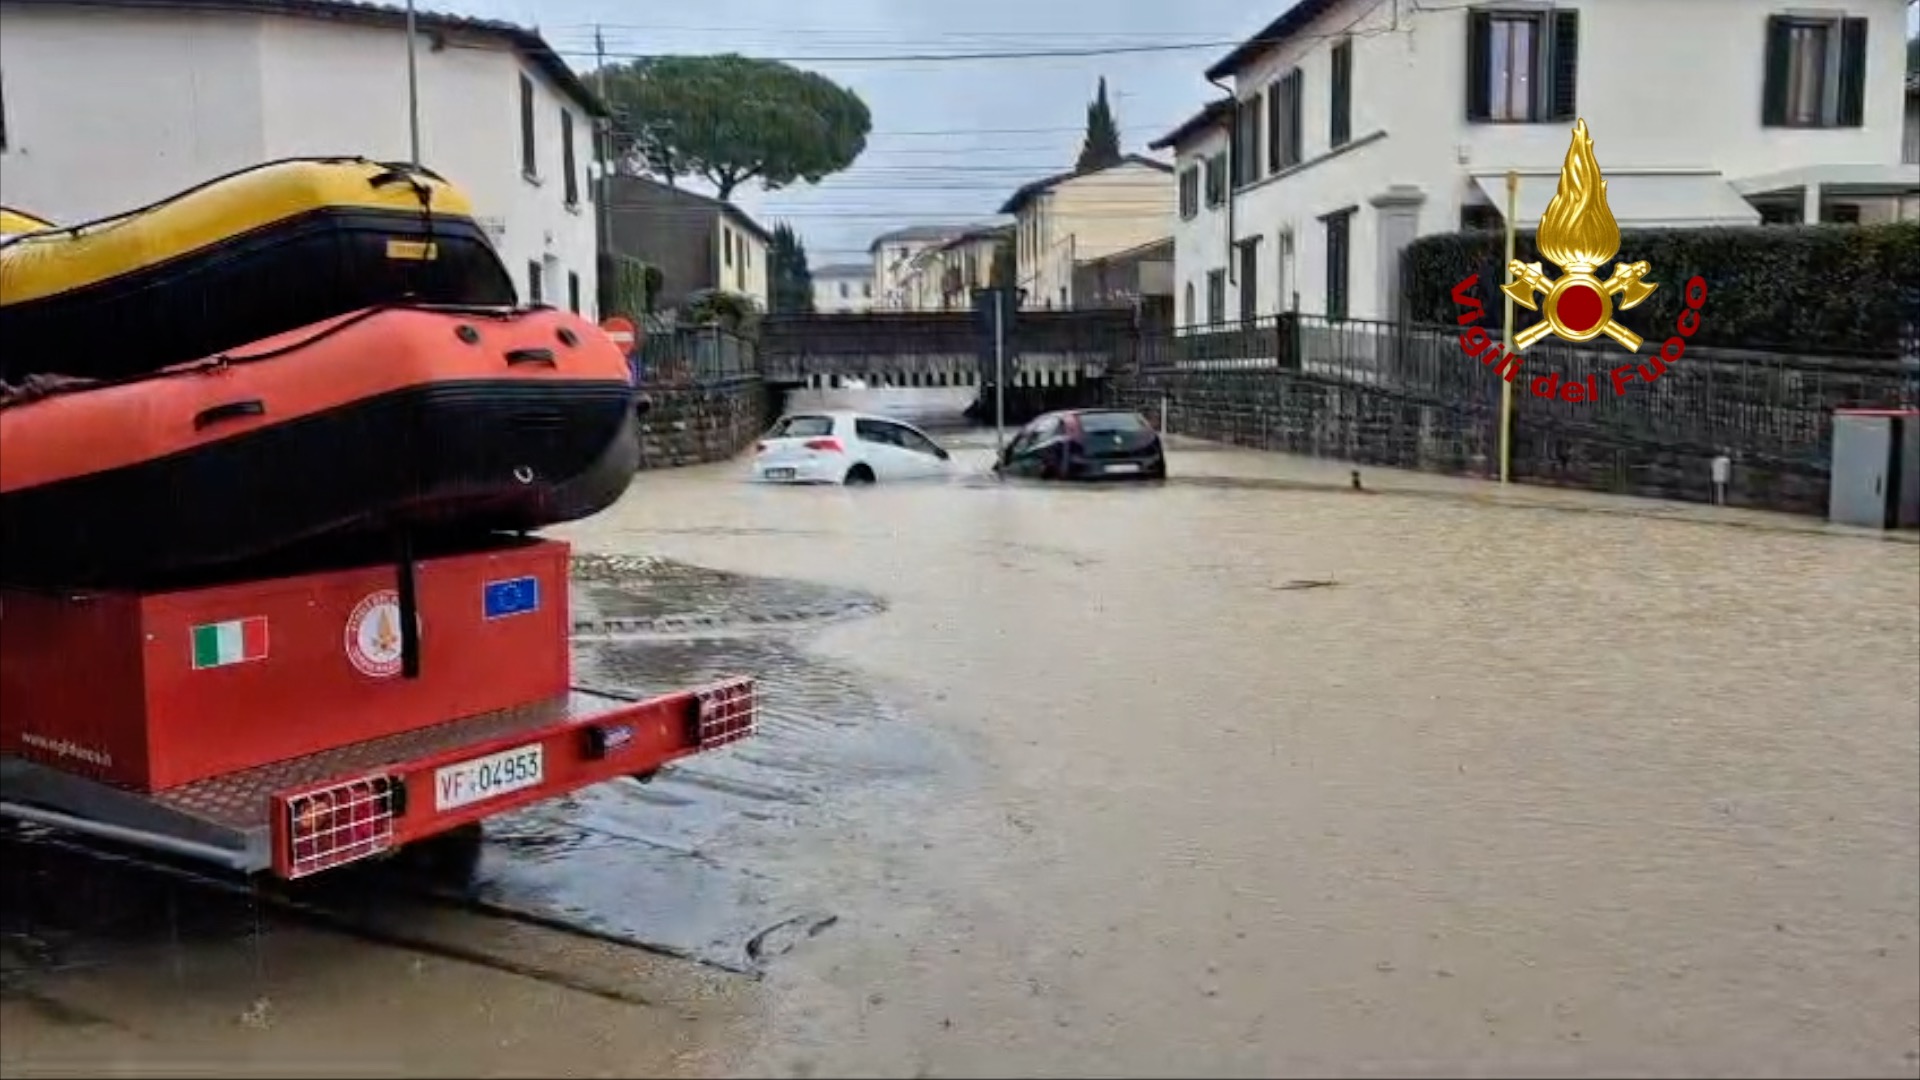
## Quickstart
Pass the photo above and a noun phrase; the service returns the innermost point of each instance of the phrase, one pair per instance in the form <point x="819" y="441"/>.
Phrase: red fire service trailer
<point x="296" y="723"/>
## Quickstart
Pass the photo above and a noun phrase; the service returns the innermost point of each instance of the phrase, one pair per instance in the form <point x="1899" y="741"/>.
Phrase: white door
<point x="928" y="458"/>
<point x="880" y="447"/>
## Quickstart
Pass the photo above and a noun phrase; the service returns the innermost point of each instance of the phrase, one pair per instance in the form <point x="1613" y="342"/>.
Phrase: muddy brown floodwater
<point x="1249" y="774"/>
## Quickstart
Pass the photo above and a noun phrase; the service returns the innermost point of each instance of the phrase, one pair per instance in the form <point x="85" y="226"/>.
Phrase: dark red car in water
<point x="1085" y="444"/>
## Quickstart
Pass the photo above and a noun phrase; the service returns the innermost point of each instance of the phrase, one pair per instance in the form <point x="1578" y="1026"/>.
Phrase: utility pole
<point x="604" y="145"/>
<point x="1000" y="369"/>
<point x="413" y="84"/>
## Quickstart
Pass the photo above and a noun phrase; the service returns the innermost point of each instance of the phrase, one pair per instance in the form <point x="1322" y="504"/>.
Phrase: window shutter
<point x="1293" y="102"/>
<point x="1341" y="110"/>
<point x="1563" y="86"/>
<point x="1773" y="95"/>
<point x="1275" y="102"/>
<point x="1479" y="66"/>
<point x="1853" y="72"/>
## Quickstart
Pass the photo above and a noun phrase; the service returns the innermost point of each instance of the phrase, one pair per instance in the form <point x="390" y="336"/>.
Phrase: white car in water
<point x="839" y="447"/>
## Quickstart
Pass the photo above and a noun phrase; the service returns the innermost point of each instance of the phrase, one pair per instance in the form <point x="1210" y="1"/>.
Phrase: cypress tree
<point x="1101" y="147"/>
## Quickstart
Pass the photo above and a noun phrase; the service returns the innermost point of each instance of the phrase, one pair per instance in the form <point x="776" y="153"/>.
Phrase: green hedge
<point x="1843" y="290"/>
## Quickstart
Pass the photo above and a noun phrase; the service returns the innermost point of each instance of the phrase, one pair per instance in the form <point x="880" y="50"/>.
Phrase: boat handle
<point x="232" y="410"/>
<point x="530" y="356"/>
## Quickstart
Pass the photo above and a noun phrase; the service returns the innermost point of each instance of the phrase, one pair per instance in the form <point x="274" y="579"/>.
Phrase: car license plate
<point x="1128" y="467"/>
<point x="779" y="474"/>
<point x="485" y="778"/>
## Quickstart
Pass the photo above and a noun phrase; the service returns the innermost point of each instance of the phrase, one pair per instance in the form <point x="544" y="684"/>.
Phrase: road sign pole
<point x="1506" y="335"/>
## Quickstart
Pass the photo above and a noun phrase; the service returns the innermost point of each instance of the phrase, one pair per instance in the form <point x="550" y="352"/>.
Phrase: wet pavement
<point x="1246" y="774"/>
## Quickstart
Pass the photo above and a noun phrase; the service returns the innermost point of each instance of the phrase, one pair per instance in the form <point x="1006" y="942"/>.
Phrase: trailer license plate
<point x="489" y="777"/>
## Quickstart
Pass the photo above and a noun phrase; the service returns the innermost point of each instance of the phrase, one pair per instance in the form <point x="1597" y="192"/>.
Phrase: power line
<point x="925" y="57"/>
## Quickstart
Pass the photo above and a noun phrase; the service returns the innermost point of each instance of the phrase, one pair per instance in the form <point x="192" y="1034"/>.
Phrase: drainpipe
<point x="1233" y="132"/>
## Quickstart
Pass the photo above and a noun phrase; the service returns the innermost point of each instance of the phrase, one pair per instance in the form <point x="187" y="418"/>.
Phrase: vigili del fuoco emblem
<point x="1579" y="235"/>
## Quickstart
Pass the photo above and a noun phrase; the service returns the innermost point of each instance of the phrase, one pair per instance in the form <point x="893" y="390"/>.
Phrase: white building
<point x="114" y="104"/>
<point x="894" y="263"/>
<point x="1077" y="217"/>
<point x="843" y="288"/>
<point x="1359" y="126"/>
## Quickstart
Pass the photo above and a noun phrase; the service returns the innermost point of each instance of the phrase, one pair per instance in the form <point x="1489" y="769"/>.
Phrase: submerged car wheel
<point x="859" y="474"/>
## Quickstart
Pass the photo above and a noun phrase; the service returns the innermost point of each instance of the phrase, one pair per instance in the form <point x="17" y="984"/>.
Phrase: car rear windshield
<point x="802" y="427"/>
<point x="1126" y="422"/>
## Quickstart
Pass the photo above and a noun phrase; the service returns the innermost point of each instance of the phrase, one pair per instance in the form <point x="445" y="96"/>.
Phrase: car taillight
<point x="831" y="446"/>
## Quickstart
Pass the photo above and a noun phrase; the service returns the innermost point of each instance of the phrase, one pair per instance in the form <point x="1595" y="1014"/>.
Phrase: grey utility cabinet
<point x="1876" y="468"/>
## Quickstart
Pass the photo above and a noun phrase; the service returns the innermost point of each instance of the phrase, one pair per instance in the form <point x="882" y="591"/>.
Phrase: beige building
<point x="1078" y="217"/>
<point x="895" y="256"/>
<point x="965" y="263"/>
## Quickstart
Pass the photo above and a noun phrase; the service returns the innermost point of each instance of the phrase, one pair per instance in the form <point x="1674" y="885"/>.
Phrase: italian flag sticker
<point x="224" y="643"/>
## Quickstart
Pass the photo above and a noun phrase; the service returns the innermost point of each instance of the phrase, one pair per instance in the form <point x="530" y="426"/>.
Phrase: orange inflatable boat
<point x="387" y="419"/>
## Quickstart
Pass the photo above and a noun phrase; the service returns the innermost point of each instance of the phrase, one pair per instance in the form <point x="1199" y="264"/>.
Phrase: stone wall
<point x="691" y="423"/>
<point x="1278" y="410"/>
<point x="1771" y="417"/>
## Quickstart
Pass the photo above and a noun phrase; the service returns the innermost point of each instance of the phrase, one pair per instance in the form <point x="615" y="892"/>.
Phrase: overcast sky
<point x="951" y="139"/>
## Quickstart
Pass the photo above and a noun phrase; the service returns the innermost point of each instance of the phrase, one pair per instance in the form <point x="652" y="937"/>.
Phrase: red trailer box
<point x="180" y="686"/>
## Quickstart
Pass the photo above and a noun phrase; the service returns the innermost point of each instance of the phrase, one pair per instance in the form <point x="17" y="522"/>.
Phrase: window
<point x="1522" y="66"/>
<point x="1216" y="297"/>
<point x="916" y="442"/>
<point x="1480" y="217"/>
<point x="1216" y="180"/>
<point x="843" y="290"/>
<point x="534" y="293"/>
<point x="1816" y="72"/>
<point x="1841" y="214"/>
<point x="529" y="161"/>
<point x="3" y="115"/>
<point x="1283" y="122"/>
<point x="573" y="292"/>
<point x="1189" y="191"/>
<point x="1246" y="141"/>
<point x="866" y="290"/>
<point x="1340" y="95"/>
<point x="566" y="159"/>
<point x="1249" y="252"/>
<point x="1193" y="314"/>
<point x="726" y="246"/>
<point x="801" y="427"/>
<point x="1339" y="239"/>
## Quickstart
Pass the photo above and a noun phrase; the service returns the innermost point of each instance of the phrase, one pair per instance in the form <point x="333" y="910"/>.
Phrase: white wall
<point x="827" y="289"/>
<point x="1662" y="85"/>
<point x="110" y="109"/>
<point x="1199" y="242"/>
<point x="193" y="95"/>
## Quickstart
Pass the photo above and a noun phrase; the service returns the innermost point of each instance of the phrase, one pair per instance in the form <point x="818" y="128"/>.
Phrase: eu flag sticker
<point x="514" y="596"/>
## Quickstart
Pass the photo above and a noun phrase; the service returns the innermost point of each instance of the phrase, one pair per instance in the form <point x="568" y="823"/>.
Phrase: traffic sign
<point x="621" y="330"/>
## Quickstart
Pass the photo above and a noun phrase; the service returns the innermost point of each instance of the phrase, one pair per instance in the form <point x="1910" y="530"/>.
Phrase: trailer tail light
<point x="831" y="446"/>
<point x="724" y="713"/>
<point x="340" y="824"/>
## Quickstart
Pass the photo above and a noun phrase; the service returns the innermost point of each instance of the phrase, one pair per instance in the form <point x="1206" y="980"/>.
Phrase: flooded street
<point x="1247" y="774"/>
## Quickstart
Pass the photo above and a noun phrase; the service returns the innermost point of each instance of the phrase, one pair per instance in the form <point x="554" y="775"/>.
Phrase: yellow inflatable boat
<point x="242" y="257"/>
<point x="15" y="222"/>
